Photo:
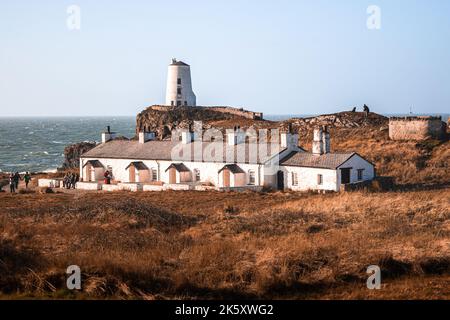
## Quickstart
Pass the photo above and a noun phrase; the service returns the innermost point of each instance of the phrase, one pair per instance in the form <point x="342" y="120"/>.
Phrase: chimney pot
<point x="317" y="145"/>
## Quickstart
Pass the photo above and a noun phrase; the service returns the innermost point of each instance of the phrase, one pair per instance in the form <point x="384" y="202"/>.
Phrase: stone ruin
<point x="417" y="128"/>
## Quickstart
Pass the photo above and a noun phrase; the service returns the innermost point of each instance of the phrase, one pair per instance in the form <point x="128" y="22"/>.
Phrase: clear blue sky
<point x="278" y="57"/>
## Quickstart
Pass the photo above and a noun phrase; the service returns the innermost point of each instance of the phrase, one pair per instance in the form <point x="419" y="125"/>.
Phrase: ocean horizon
<point x="36" y="144"/>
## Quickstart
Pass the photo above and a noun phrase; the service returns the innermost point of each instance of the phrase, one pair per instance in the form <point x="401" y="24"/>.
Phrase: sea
<point x="37" y="144"/>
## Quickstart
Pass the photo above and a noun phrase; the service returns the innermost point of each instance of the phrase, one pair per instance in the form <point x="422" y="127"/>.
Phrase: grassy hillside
<point x="226" y="245"/>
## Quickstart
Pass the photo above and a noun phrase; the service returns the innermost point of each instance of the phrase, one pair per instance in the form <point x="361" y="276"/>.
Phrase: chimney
<point x="146" y="136"/>
<point x="186" y="136"/>
<point x="317" y="145"/>
<point x="108" y="135"/>
<point x="326" y="140"/>
<point x="288" y="139"/>
<point x="235" y="136"/>
<point x="197" y="131"/>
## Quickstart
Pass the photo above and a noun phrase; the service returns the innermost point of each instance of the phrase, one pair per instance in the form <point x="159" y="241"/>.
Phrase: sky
<point x="276" y="57"/>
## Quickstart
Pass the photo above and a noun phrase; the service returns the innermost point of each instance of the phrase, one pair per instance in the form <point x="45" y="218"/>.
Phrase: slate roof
<point x="179" y="167"/>
<point x="139" y="165"/>
<point x="162" y="150"/>
<point x="94" y="163"/>
<point x="234" y="168"/>
<point x="310" y="160"/>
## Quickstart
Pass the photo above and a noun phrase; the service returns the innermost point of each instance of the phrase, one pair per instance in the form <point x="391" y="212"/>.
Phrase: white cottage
<point x="323" y="170"/>
<point x="190" y="163"/>
<point x="235" y="164"/>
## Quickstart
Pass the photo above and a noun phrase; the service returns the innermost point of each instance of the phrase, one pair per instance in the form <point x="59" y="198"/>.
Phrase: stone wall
<point x="417" y="128"/>
<point x="239" y="112"/>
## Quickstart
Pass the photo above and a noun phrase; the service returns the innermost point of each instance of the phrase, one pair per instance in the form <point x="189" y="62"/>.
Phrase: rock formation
<point x="162" y="120"/>
<point x="73" y="152"/>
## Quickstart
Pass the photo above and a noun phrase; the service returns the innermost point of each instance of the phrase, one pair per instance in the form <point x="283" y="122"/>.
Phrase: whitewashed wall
<point x="356" y="162"/>
<point x="308" y="179"/>
<point x="208" y="171"/>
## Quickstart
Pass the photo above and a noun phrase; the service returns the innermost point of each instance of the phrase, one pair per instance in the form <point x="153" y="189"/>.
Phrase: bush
<point x="230" y="209"/>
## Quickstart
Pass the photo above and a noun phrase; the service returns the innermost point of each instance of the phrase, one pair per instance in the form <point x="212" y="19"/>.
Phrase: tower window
<point x="179" y="81"/>
<point x="185" y="103"/>
<point x="172" y="103"/>
<point x="179" y="91"/>
<point x="178" y="103"/>
<point x="320" y="179"/>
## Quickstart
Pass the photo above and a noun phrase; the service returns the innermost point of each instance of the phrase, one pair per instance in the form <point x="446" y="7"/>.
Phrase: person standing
<point x="69" y="181"/>
<point x="73" y="181"/>
<point x="12" y="183"/>
<point x="16" y="180"/>
<point x="107" y="177"/>
<point x="27" y="179"/>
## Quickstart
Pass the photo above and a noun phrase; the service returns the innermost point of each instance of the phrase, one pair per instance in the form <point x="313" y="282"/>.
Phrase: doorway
<point x="132" y="170"/>
<point x="345" y="176"/>
<point x="226" y="178"/>
<point x="280" y="180"/>
<point x="172" y="176"/>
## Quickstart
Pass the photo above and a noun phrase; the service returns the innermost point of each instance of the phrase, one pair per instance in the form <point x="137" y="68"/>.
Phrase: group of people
<point x="366" y="110"/>
<point x="14" y="179"/>
<point x="70" y="180"/>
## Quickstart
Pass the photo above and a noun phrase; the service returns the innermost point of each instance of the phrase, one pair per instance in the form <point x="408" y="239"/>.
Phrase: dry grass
<point x="226" y="245"/>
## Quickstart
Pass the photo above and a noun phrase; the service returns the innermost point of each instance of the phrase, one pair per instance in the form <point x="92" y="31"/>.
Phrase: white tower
<point x="179" y="86"/>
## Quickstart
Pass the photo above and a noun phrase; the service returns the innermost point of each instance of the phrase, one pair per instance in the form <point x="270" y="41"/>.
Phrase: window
<point x="154" y="175"/>
<point x="179" y="81"/>
<point x="185" y="103"/>
<point x="197" y="175"/>
<point x="172" y="103"/>
<point x="251" y="177"/>
<point x="179" y="91"/>
<point x="178" y="103"/>
<point x="319" y="179"/>
<point x="360" y="174"/>
<point x="294" y="179"/>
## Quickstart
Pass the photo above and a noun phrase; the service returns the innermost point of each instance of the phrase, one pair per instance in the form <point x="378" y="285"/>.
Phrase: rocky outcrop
<point x="162" y="120"/>
<point x="73" y="152"/>
<point x="339" y="120"/>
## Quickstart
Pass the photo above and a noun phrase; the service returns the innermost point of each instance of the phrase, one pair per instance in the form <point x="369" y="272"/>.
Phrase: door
<point x="280" y="180"/>
<point x="132" y="172"/>
<point x="172" y="176"/>
<point x="345" y="176"/>
<point x="93" y="177"/>
<point x="226" y="178"/>
<point x="87" y="173"/>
